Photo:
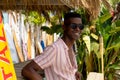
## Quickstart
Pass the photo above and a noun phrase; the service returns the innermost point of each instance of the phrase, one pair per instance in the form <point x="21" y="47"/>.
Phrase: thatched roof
<point x="39" y="5"/>
<point x="91" y="6"/>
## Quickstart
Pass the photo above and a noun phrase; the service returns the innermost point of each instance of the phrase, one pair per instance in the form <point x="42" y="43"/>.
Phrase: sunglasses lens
<point x="81" y="26"/>
<point x="74" y="26"/>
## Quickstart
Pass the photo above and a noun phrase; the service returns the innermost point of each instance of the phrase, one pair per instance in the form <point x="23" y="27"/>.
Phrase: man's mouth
<point x="77" y="33"/>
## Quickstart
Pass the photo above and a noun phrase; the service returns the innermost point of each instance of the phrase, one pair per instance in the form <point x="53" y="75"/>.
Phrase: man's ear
<point x="63" y="27"/>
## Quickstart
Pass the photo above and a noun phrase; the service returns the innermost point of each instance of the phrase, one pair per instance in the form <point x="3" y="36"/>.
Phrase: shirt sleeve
<point x="46" y="58"/>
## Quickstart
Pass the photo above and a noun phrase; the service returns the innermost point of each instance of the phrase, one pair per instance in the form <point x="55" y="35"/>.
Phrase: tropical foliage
<point x="55" y="25"/>
<point x="98" y="49"/>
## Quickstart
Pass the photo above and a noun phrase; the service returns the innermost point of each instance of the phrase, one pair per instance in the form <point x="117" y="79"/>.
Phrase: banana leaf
<point x="104" y="17"/>
<point x="114" y="66"/>
<point x="53" y="29"/>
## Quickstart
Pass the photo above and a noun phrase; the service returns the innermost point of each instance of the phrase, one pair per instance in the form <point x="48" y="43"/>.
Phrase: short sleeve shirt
<point x="56" y="63"/>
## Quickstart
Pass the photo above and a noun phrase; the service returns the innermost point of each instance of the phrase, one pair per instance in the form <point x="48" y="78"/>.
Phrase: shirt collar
<point x="64" y="45"/>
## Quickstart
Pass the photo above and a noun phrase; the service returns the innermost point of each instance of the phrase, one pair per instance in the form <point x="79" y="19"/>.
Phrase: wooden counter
<point x="18" y="67"/>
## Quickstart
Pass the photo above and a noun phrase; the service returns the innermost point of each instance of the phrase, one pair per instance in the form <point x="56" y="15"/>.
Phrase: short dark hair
<point x="71" y="15"/>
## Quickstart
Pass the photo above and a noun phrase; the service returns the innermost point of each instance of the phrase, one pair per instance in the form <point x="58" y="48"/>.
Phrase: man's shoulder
<point x="55" y="45"/>
<point x="58" y="42"/>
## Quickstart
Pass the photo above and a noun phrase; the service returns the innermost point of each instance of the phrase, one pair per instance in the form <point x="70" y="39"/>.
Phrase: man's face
<point x="74" y="28"/>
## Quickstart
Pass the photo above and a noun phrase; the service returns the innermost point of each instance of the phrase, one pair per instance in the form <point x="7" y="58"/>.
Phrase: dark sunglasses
<point x="74" y="26"/>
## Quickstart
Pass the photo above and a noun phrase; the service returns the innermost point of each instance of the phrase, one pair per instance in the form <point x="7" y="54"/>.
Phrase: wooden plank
<point x="18" y="67"/>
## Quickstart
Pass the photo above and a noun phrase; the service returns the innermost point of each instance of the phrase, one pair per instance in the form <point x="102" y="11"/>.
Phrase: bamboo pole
<point x="101" y="52"/>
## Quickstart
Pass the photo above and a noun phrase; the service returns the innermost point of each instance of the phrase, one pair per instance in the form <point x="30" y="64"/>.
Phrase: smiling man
<point x="58" y="60"/>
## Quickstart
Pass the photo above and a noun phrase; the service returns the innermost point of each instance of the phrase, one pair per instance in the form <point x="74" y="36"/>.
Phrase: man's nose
<point x="77" y="27"/>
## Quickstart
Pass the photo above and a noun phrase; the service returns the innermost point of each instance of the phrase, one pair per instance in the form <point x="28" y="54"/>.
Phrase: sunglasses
<point x="74" y="26"/>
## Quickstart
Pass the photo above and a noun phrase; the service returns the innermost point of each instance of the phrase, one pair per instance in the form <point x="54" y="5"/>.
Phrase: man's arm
<point x="30" y="71"/>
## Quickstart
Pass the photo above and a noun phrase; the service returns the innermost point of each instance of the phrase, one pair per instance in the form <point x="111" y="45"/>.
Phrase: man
<point x="58" y="60"/>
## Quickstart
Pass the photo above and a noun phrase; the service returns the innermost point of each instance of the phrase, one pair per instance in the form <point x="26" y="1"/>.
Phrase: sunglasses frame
<point x="74" y="26"/>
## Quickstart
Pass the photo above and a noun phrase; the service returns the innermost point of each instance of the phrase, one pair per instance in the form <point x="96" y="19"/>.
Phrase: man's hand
<point x="78" y="75"/>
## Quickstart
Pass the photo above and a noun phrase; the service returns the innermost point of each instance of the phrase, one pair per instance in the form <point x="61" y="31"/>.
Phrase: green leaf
<point x="110" y="76"/>
<point x="117" y="23"/>
<point x="46" y="29"/>
<point x="115" y="30"/>
<point x="114" y="66"/>
<point x="114" y="46"/>
<point x="95" y="48"/>
<point x="53" y="29"/>
<point x="35" y="18"/>
<point x="105" y="17"/>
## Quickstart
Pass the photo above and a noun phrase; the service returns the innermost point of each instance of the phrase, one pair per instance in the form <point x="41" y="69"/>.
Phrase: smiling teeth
<point x="77" y="33"/>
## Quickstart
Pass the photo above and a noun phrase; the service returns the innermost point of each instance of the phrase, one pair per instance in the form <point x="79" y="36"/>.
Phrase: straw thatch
<point x="91" y="6"/>
<point x="37" y="5"/>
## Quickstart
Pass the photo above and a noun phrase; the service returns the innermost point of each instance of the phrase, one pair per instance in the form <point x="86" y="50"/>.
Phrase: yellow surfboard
<point x="7" y="71"/>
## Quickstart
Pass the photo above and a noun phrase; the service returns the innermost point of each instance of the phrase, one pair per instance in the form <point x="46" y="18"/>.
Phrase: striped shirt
<point x="56" y="63"/>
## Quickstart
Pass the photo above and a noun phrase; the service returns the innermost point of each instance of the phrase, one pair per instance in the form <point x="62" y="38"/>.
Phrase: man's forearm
<point x="31" y="75"/>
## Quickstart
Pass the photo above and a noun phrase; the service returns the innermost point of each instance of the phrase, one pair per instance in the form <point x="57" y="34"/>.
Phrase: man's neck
<point x="68" y="42"/>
